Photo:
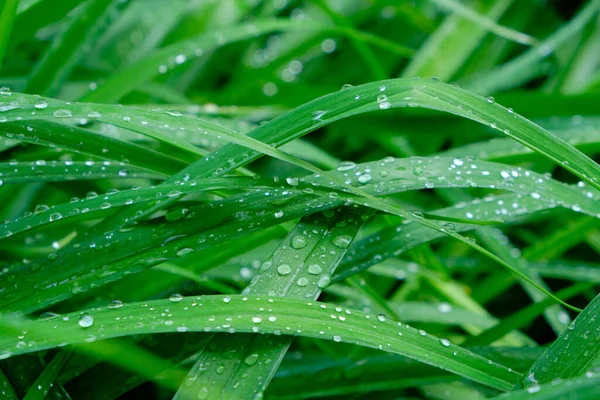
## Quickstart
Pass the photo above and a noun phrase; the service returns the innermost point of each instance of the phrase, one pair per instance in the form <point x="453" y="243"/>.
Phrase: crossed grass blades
<point x="179" y="223"/>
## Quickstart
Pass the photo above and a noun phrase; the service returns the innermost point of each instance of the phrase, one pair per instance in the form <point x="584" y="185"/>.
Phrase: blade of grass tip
<point x="486" y="22"/>
<point x="238" y="312"/>
<point x="528" y="65"/>
<point x="45" y="381"/>
<point x="69" y="46"/>
<point x="570" y="355"/>
<point x="299" y="268"/>
<point x="7" y="20"/>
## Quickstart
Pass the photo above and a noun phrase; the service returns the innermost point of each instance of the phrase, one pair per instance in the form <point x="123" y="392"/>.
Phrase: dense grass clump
<point x="289" y="199"/>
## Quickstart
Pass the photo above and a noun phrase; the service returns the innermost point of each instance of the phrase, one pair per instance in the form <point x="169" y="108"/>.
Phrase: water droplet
<point x="41" y="208"/>
<point x="365" y="178"/>
<point x="383" y="102"/>
<point x="40" y="104"/>
<point x="226" y="299"/>
<point x="184" y="251"/>
<point x="314" y="269"/>
<point x="444" y="308"/>
<point x="346" y="166"/>
<point x="256" y="320"/>
<point x="422" y="332"/>
<point x="94" y="114"/>
<point x="62" y="114"/>
<point x="203" y="393"/>
<point x="175" y="298"/>
<point x="298" y="242"/>
<point x="381" y="317"/>
<point x="48" y="315"/>
<point x="278" y="214"/>
<point x="114" y="304"/>
<point x="337" y="338"/>
<point x="284" y="269"/>
<point x="302" y="282"/>
<point x="445" y="342"/>
<point x="534" y="389"/>
<point x="317" y="115"/>
<point x="323" y="282"/>
<point x="85" y="320"/>
<point x="342" y="241"/>
<point x="251" y="359"/>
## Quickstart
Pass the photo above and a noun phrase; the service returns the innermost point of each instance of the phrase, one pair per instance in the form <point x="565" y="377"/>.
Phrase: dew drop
<point x="298" y="242"/>
<point x="365" y="178"/>
<point x="302" y="282"/>
<point x="284" y="269"/>
<point x="342" y="241"/>
<point x="318" y="115"/>
<point x="251" y="359"/>
<point x="346" y="166"/>
<point x="175" y="298"/>
<point x="85" y="320"/>
<point x="114" y="304"/>
<point x="40" y="104"/>
<point x="314" y="269"/>
<point x="62" y="114"/>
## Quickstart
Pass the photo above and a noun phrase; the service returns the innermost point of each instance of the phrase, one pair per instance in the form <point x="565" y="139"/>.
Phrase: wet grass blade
<point x="572" y="354"/>
<point x="299" y="269"/>
<point x="215" y="313"/>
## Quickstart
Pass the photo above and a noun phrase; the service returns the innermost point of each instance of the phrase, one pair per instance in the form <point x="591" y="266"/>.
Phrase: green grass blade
<point x="311" y="252"/>
<point x="572" y="354"/>
<point x="454" y="40"/>
<point x="57" y="63"/>
<point x="215" y="313"/>
<point x="45" y="381"/>
<point x="583" y="388"/>
<point x="529" y="64"/>
<point x="7" y="19"/>
<point x="487" y="23"/>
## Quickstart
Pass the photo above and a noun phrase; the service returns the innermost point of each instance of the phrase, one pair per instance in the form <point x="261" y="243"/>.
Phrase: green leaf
<point x="236" y="313"/>
<point x="572" y="354"/>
